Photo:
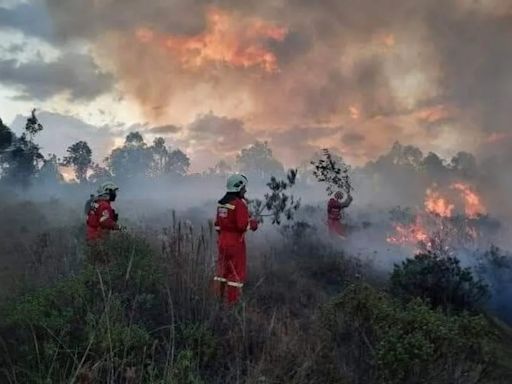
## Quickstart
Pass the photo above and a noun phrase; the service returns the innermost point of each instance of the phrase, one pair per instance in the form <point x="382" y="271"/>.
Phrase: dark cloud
<point x="31" y="18"/>
<point x="475" y="56"/>
<point x="165" y="129"/>
<point x="90" y="19"/>
<point x="76" y="74"/>
<point x="220" y="134"/>
<point x="353" y="138"/>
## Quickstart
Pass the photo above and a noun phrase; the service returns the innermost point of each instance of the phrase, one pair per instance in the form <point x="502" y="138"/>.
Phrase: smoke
<point x="375" y="68"/>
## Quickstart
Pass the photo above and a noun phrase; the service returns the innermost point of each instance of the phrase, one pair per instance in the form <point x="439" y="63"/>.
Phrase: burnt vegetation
<point x="313" y="311"/>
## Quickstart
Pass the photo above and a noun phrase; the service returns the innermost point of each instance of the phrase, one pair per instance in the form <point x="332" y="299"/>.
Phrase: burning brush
<point x="437" y="227"/>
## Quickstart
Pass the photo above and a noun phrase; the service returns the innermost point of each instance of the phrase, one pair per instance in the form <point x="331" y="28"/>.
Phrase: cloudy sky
<point x="213" y="76"/>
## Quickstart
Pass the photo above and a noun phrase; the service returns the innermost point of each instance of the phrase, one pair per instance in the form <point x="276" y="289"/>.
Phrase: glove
<point x="253" y="224"/>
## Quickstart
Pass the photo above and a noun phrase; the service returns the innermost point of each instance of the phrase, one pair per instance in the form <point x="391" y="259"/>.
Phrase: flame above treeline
<point x="438" y="222"/>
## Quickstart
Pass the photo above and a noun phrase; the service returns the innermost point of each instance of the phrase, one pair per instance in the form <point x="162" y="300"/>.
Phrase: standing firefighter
<point x="231" y="223"/>
<point x="102" y="218"/>
<point x="335" y="209"/>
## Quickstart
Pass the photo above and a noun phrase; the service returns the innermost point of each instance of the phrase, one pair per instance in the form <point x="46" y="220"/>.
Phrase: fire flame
<point x="237" y="42"/>
<point x="354" y="112"/>
<point x="438" y="205"/>
<point x="473" y="205"/>
<point x="409" y="234"/>
<point x="437" y="224"/>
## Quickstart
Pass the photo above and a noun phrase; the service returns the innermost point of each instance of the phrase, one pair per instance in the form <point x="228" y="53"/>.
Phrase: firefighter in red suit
<point x="232" y="222"/>
<point x="102" y="218"/>
<point x="335" y="209"/>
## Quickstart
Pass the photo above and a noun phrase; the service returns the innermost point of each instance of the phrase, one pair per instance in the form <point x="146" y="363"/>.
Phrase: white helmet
<point x="236" y="182"/>
<point x="106" y="187"/>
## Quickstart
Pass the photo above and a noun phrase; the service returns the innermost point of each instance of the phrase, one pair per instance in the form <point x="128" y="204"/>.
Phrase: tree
<point x="258" y="159"/>
<point x="433" y="165"/>
<point x="178" y="162"/>
<point x="80" y="158"/>
<point x="167" y="162"/>
<point x="334" y="173"/>
<point x="6" y="136"/>
<point x="160" y="156"/>
<point x="133" y="159"/>
<point x="24" y="157"/>
<point x="33" y="126"/>
<point x="49" y="172"/>
<point x="221" y="168"/>
<point x="134" y="139"/>
<point x="277" y="202"/>
<point x="99" y="174"/>
<point x="407" y="155"/>
<point x="464" y="164"/>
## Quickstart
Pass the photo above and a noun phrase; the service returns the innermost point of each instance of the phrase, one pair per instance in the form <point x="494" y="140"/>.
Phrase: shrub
<point x="373" y="338"/>
<point x="101" y="318"/>
<point x="440" y="280"/>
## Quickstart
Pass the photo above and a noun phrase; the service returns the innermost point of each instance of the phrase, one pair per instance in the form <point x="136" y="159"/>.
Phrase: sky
<point x="212" y="77"/>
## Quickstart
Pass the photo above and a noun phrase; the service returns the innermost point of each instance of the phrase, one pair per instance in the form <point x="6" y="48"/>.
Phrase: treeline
<point x="22" y="162"/>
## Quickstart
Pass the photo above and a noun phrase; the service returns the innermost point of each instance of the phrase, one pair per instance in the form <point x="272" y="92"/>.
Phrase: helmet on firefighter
<point x="236" y="183"/>
<point x="106" y="188"/>
<point x="338" y="195"/>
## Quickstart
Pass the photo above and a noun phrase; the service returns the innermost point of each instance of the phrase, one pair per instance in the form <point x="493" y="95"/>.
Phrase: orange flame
<point x="354" y="112"/>
<point x="473" y="205"/>
<point x="409" y="234"/>
<point x="438" y="205"/>
<point x="235" y="41"/>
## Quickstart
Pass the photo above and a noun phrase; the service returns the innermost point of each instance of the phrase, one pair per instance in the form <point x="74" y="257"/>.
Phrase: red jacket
<point x="335" y="208"/>
<point x="101" y="219"/>
<point x="233" y="220"/>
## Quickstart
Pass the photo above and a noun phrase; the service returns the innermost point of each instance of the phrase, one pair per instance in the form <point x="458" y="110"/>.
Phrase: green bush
<point x="101" y="318"/>
<point x="373" y="338"/>
<point x="439" y="280"/>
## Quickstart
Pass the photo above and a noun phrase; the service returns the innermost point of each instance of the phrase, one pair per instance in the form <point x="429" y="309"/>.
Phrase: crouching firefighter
<point x="231" y="223"/>
<point x="335" y="209"/>
<point x="102" y="218"/>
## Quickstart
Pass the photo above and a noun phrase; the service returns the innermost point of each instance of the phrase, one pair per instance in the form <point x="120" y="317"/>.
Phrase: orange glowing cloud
<point x="497" y="137"/>
<point x="434" y="113"/>
<point x="234" y="41"/>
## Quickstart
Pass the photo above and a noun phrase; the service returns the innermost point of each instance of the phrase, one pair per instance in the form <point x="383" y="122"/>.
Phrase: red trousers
<point x="231" y="269"/>
<point x="336" y="227"/>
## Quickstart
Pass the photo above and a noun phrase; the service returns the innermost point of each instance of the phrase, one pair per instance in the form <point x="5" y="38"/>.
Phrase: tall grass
<point x="147" y="314"/>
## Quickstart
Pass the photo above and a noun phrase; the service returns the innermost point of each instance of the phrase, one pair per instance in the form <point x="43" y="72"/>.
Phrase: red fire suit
<point x="101" y="219"/>
<point x="334" y="216"/>
<point x="231" y="223"/>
